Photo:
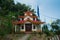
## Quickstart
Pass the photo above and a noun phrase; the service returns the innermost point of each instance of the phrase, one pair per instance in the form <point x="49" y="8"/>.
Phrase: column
<point x="36" y="27"/>
<point x="20" y="28"/>
<point x="15" y="28"/>
<point x="35" y="19"/>
<point x="41" y="25"/>
<point x="32" y="27"/>
<point x="24" y="27"/>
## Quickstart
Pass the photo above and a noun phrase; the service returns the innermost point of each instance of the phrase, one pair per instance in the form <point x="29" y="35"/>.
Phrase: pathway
<point x="24" y="37"/>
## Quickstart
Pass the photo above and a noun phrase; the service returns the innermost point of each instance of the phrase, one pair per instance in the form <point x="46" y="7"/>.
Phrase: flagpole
<point x="38" y="12"/>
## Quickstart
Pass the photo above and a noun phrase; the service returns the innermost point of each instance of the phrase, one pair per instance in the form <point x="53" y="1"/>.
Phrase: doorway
<point x="28" y="27"/>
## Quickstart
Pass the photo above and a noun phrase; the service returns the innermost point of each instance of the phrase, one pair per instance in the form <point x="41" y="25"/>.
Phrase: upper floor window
<point x="25" y="14"/>
<point x="21" y="18"/>
<point x="31" y="14"/>
<point x="18" y="19"/>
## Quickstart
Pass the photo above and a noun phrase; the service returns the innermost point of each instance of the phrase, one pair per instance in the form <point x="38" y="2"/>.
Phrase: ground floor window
<point x="33" y="27"/>
<point x="22" y="27"/>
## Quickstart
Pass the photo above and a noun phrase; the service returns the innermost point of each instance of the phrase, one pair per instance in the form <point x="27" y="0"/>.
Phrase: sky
<point x="49" y="9"/>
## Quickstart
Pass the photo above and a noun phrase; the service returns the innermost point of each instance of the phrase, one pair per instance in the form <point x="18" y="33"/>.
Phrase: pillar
<point x="15" y="28"/>
<point x="24" y="27"/>
<point x="35" y="19"/>
<point x="32" y="27"/>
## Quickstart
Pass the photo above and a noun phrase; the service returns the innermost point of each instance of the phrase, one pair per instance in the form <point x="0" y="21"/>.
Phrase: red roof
<point x="21" y="16"/>
<point x="18" y="22"/>
<point x="28" y="12"/>
<point x="30" y="16"/>
<point x="34" y="22"/>
<point x="37" y="22"/>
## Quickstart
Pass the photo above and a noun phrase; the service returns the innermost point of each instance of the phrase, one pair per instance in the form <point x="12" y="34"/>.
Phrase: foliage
<point x="7" y="6"/>
<point x="5" y="27"/>
<point x="10" y="11"/>
<point x="46" y="30"/>
<point x="56" y="26"/>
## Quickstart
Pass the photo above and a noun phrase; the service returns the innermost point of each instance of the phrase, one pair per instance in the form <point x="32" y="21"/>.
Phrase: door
<point x="28" y="27"/>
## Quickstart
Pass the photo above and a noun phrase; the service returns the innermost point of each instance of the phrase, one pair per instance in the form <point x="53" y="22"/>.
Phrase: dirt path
<point x="24" y="37"/>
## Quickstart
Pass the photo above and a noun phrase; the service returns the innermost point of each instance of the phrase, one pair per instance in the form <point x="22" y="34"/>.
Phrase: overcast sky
<point x="49" y="8"/>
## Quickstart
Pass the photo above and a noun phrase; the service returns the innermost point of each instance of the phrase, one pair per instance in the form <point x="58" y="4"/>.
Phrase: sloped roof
<point x="28" y="20"/>
<point x="25" y="16"/>
<point x="28" y="14"/>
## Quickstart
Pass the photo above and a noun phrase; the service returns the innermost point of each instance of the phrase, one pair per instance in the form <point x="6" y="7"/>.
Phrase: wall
<point x="35" y="28"/>
<point x="21" y="28"/>
<point x="28" y="17"/>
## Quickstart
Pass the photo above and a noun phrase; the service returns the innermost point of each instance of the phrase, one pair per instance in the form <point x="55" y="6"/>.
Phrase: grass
<point x="36" y="36"/>
<point x="12" y="36"/>
<point x="29" y="37"/>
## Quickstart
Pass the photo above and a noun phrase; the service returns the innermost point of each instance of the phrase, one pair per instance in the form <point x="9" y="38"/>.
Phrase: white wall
<point x="21" y="28"/>
<point x="28" y="17"/>
<point x="26" y="14"/>
<point x="34" y="29"/>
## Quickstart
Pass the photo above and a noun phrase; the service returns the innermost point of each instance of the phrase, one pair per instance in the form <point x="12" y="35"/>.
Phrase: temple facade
<point x="28" y="23"/>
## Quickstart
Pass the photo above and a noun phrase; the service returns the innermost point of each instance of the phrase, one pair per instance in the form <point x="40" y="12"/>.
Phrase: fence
<point x="57" y="37"/>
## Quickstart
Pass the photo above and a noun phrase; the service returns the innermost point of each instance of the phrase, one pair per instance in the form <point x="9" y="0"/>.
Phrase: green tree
<point x="45" y="29"/>
<point x="5" y="6"/>
<point x="10" y="11"/>
<point x="56" y="26"/>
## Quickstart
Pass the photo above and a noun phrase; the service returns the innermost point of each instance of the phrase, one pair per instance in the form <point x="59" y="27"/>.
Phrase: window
<point x="18" y="19"/>
<point x="33" y="27"/>
<point x="27" y="18"/>
<point x="21" y="18"/>
<point x="25" y="13"/>
<point x="33" y="18"/>
<point x="22" y="27"/>
<point x="30" y="14"/>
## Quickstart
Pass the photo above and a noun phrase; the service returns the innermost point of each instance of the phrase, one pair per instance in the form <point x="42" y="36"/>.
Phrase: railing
<point x="57" y="37"/>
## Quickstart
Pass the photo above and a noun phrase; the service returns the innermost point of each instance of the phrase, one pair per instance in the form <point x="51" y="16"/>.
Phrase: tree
<point x="10" y="11"/>
<point x="56" y="26"/>
<point x="5" y="5"/>
<point x="45" y="29"/>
